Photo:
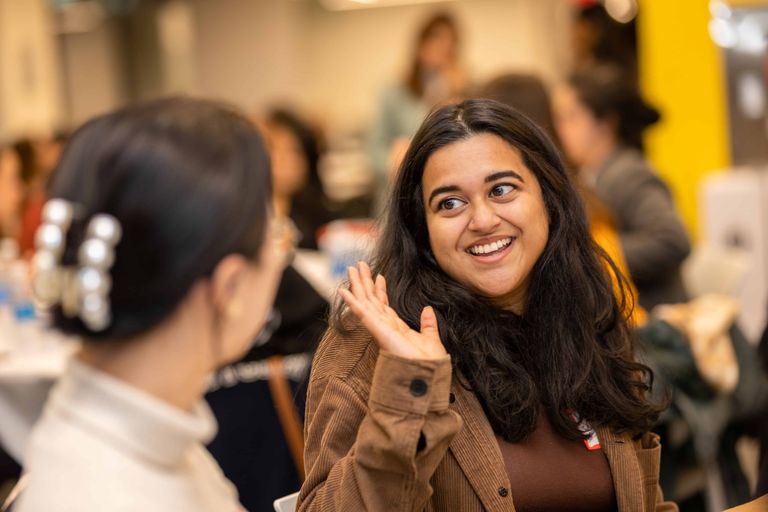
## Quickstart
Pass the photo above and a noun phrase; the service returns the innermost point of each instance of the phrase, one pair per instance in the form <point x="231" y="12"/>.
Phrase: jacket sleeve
<point x="653" y="236"/>
<point x="378" y="454"/>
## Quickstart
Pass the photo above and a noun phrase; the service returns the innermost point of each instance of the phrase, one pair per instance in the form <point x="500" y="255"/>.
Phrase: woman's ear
<point x="225" y="285"/>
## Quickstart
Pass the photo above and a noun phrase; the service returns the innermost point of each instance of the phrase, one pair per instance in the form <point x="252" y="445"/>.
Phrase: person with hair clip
<point x="600" y="118"/>
<point x="483" y="361"/>
<point x="158" y="248"/>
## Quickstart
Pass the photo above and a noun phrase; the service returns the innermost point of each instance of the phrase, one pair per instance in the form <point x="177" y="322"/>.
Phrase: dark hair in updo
<point x="608" y="92"/>
<point x="188" y="180"/>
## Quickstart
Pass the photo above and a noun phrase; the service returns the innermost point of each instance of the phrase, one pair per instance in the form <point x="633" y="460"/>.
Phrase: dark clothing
<point x="251" y="447"/>
<point x="549" y="473"/>
<point x="762" y="476"/>
<point x="653" y="237"/>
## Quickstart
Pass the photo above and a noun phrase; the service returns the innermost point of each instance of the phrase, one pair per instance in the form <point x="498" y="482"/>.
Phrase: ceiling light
<point x="622" y="11"/>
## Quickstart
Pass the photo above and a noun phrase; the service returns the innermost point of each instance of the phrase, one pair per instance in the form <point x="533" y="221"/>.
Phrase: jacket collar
<point x="625" y="469"/>
<point x="477" y="452"/>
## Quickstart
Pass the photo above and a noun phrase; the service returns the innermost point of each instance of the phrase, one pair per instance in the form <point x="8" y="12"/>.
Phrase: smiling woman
<point x="487" y="223"/>
<point x="494" y="364"/>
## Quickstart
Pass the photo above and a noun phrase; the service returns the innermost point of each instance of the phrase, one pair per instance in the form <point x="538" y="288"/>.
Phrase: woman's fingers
<point x="362" y="288"/>
<point x="351" y="302"/>
<point x="381" y="289"/>
<point x="355" y="283"/>
<point x="367" y="279"/>
<point x="367" y="299"/>
<point x="381" y="330"/>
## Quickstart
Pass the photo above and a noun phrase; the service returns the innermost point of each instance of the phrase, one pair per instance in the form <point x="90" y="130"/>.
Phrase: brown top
<point x="550" y="473"/>
<point x="388" y="434"/>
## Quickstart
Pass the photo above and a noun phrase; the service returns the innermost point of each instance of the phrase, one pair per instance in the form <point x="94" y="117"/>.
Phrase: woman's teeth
<point x="489" y="248"/>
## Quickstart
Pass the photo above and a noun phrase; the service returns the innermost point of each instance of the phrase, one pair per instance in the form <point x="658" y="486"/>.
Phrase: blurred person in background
<point x="294" y="150"/>
<point x="160" y="252"/>
<point x="493" y="364"/>
<point x="38" y="157"/>
<point x="11" y="193"/>
<point x="600" y="118"/>
<point x="528" y="94"/>
<point x="523" y="92"/>
<point x="435" y="76"/>
<point x="11" y="196"/>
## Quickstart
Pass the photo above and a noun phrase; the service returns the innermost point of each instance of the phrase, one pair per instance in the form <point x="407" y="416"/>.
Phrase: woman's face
<point x="579" y="130"/>
<point x="289" y="165"/>
<point x="487" y="220"/>
<point x="438" y="50"/>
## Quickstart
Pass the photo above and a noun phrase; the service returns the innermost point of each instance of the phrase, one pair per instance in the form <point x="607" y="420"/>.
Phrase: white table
<point x="315" y="267"/>
<point x="31" y="359"/>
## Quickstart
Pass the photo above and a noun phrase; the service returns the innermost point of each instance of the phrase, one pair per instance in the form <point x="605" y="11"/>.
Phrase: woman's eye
<point x="450" y="204"/>
<point x="502" y="190"/>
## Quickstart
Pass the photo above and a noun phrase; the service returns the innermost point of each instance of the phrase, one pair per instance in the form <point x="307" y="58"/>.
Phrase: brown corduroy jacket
<point x="385" y="433"/>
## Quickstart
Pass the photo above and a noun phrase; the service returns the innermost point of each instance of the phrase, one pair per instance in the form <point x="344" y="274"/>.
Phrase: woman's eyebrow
<point x="503" y="174"/>
<point x="442" y="190"/>
<point x="491" y="177"/>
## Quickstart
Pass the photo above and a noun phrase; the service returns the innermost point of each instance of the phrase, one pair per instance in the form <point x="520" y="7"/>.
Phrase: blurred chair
<point x="286" y="503"/>
<point x="711" y="269"/>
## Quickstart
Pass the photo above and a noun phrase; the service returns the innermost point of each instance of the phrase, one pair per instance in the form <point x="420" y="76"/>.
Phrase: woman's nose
<point x="484" y="218"/>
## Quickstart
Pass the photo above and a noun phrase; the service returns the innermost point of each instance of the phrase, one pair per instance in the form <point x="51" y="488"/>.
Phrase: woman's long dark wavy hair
<point x="572" y="349"/>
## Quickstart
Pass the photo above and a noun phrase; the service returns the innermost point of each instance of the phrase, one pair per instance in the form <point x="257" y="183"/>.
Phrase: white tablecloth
<point x="31" y="359"/>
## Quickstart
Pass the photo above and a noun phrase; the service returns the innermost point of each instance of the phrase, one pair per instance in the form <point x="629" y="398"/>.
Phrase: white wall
<point x="355" y="53"/>
<point x="334" y="64"/>
<point x="250" y="52"/>
<point x="30" y="101"/>
<point x="258" y="52"/>
<point x="95" y="81"/>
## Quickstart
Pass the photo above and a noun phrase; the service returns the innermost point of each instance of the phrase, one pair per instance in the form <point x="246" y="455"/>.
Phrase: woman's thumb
<point x="429" y="321"/>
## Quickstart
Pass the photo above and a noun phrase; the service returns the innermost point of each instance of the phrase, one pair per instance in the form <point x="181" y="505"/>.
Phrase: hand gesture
<point x="368" y="301"/>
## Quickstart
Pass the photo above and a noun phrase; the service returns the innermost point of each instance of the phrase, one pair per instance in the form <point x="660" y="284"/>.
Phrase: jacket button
<point x="418" y="387"/>
<point x="451" y="398"/>
<point x="503" y="492"/>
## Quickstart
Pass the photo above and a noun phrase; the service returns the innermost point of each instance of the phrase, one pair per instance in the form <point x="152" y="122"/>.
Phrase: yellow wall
<point x="681" y="74"/>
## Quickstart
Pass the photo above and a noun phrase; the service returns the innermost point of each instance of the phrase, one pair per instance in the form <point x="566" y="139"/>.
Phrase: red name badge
<point x="590" y="436"/>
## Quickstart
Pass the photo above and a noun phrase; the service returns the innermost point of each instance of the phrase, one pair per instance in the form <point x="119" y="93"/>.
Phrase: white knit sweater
<point x="102" y="445"/>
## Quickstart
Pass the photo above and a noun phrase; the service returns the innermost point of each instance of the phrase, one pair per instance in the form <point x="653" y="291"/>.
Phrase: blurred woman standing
<point x="435" y="76"/>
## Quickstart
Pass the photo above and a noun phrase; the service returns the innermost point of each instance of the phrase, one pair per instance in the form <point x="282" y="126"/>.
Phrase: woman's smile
<point x="491" y="249"/>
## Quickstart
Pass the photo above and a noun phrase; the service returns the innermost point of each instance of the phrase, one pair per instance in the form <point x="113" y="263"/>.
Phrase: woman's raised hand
<point x="368" y="301"/>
